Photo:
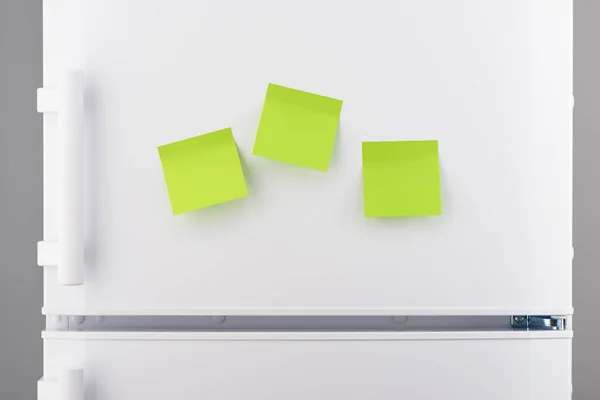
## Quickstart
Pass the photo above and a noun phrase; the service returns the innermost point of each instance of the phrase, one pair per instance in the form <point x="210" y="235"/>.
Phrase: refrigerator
<point x="291" y="292"/>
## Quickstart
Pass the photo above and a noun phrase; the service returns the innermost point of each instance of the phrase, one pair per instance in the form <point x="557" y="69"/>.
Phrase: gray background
<point x="21" y="199"/>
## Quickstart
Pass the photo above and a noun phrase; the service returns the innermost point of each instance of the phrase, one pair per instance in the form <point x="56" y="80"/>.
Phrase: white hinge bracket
<point x="48" y="389"/>
<point x="47" y="254"/>
<point x="68" y="386"/>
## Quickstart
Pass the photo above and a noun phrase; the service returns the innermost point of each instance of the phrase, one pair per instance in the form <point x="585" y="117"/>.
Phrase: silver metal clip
<point x="539" y="322"/>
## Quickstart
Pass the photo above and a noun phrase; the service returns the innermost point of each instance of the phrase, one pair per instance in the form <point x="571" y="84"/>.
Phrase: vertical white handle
<point x="70" y="177"/>
<point x="71" y="384"/>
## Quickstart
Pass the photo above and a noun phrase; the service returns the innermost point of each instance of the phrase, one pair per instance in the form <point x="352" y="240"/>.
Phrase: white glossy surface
<point x="297" y="369"/>
<point x="490" y="80"/>
<point x="47" y="100"/>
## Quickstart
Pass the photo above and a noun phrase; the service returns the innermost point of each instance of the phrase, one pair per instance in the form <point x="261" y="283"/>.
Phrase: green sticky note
<point x="202" y="171"/>
<point x="401" y="178"/>
<point x="297" y="127"/>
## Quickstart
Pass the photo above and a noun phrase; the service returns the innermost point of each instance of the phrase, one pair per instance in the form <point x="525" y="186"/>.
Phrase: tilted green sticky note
<point x="202" y="171"/>
<point x="297" y="127"/>
<point x="401" y="178"/>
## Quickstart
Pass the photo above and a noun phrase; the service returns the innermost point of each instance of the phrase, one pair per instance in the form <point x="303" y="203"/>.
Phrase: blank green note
<point x="297" y="127"/>
<point x="401" y="178"/>
<point x="202" y="171"/>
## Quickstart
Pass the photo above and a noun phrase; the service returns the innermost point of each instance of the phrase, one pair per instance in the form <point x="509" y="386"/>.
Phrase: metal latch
<point x="539" y="322"/>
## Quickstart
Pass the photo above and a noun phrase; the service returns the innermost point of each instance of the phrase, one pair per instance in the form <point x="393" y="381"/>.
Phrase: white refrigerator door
<point x="299" y="366"/>
<point x="490" y="80"/>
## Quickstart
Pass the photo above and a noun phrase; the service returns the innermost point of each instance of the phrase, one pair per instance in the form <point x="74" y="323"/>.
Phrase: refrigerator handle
<point x="71" y="384"/>
<point x="66" y="100"/>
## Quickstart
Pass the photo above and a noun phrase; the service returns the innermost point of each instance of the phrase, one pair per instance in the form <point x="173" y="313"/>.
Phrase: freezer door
<point x="490" y="80"/>
<point x="299" y="366"/>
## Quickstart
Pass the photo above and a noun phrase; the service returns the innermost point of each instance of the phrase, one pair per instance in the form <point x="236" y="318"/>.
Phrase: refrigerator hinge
<point x="67" y="386"/>
<point x="47" y="389"/>
<point x="539" y="322"/>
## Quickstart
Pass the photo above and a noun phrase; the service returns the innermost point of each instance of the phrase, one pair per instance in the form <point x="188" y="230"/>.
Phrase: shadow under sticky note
<point x="401" y="178"/>
<point x="297" y="127"/>
<point x="202" y="171"/>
